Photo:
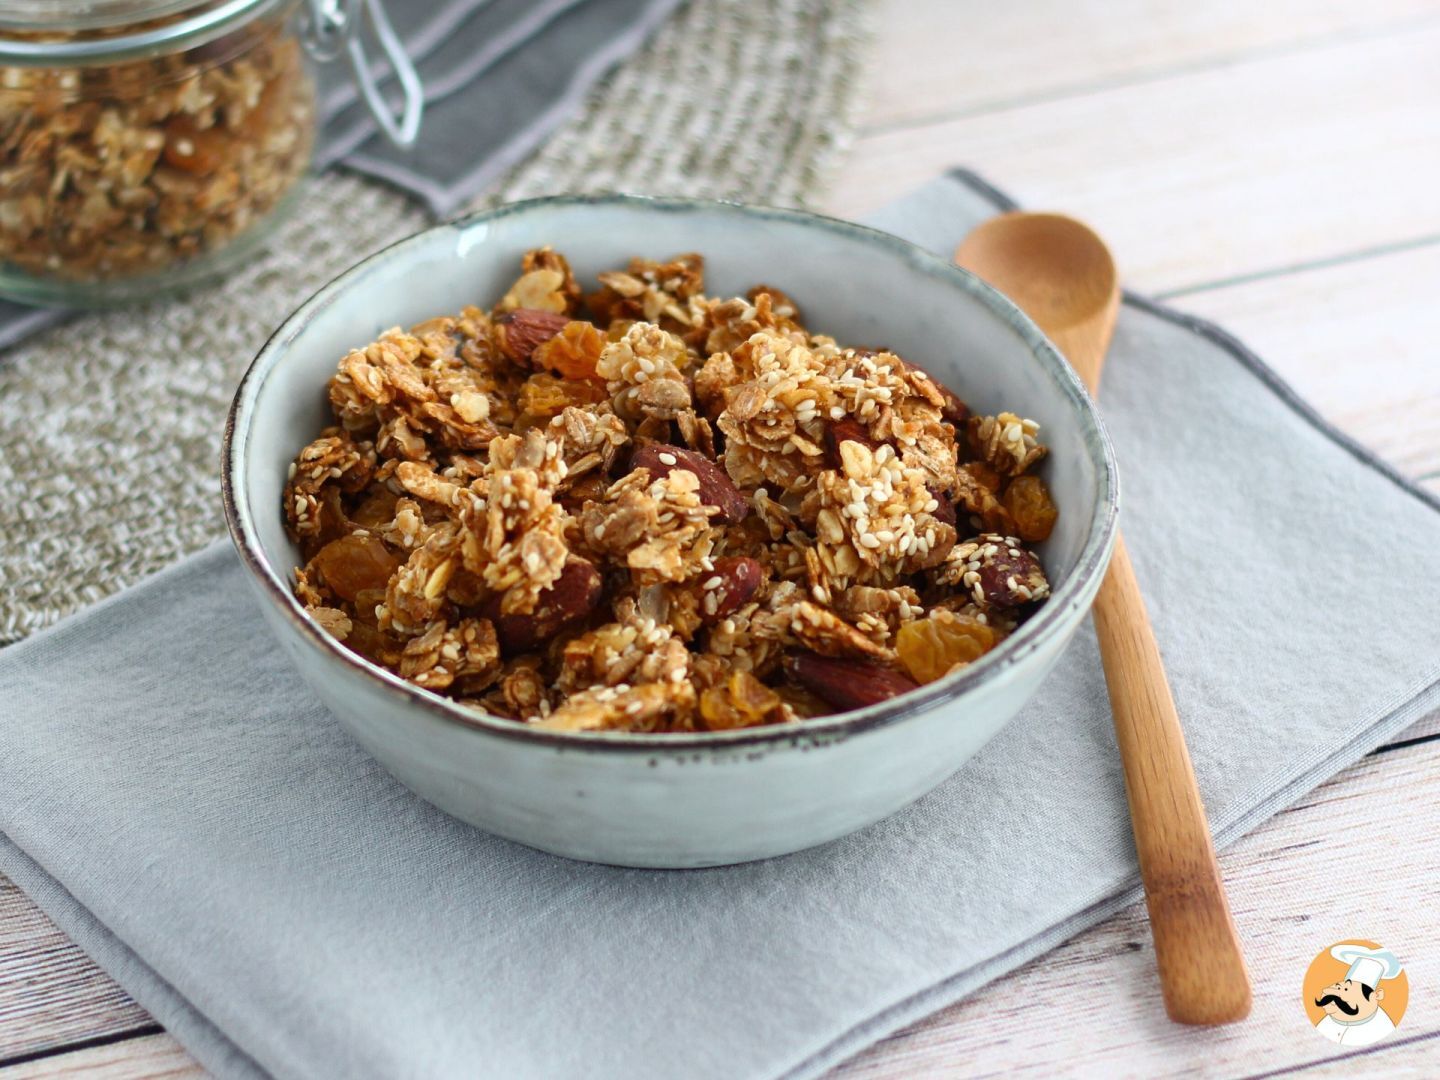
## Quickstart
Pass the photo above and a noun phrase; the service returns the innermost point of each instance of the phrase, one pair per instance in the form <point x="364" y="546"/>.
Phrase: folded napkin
<point x="499" y="75"/>
<point x="178" y="802"/>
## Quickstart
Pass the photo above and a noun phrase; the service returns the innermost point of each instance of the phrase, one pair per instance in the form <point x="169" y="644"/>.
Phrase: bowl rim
<point x="1050" y="621"/>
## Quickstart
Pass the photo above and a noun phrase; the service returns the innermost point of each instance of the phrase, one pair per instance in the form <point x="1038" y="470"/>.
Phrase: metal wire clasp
<point x="330" y="27"/>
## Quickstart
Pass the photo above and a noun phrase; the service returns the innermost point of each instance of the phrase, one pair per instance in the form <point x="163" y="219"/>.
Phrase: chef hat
<point x="1367" y="966"/>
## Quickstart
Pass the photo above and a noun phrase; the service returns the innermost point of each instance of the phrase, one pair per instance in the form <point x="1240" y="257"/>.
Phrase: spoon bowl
<point x="1057" y="271"/>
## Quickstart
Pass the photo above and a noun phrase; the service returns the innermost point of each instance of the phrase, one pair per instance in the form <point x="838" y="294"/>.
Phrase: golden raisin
<point x="378" y="646"/>
<point x="1028" y="500"/>
<point x="365" y="603"/>
<point x="983" y="475"/>
<point x="355" y="563"/>
<point x="929" y="648"/>
<point x="741" y="701"/>
<point x="194" y="150"/>
<point x="545" y="395"/>
<point x="572" y="352"/>
<point x="377" y="509"/>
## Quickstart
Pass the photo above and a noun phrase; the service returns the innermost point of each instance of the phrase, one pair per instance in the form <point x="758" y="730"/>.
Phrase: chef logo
<point x="1355" y="993"/>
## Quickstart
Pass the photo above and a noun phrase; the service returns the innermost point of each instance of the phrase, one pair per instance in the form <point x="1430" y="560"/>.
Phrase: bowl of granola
<point x="664" y="532"/>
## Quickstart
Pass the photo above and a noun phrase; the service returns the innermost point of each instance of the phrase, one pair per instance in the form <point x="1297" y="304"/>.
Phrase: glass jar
<point x="149" y="144"/>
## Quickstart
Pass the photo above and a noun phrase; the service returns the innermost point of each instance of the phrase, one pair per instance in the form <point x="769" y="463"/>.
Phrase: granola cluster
<point x="113" y="171"/>
<point x="649" y="510"/>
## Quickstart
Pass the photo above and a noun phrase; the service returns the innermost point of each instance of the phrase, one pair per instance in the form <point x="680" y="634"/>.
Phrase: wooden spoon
<point x="1061" y="274"/>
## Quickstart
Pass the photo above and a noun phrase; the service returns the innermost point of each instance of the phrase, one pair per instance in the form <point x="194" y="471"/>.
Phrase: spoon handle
<point x="1197" y="948"/>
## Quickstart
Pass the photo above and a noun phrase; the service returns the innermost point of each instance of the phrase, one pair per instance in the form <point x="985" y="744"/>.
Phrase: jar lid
<point x="68" y="15"/>
<point x="102" y="31"/>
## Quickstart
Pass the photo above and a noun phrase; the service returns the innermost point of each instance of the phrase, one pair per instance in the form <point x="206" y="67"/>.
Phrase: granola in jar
<point x="648" y="509"/>
<point x="145" y="144"/>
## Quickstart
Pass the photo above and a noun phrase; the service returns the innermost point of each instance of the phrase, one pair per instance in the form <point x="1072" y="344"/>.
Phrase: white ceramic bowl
<point x="708" y="798"/>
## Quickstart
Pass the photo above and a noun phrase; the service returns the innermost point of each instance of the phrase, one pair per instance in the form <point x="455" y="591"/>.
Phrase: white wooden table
<point x="1252" y="163"/>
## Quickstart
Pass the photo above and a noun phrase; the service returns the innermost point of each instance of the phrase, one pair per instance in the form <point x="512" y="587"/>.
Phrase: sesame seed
<point x="668" y="459"/>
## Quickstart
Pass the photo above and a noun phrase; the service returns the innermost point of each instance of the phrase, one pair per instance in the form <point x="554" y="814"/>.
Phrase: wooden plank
<point x="1356" y="339"/>
<point x="933" y="60"/>
<point x="1404" y="1056"/>
<point x="152" y="1057"/>
<point x="1352" y="859"/>
<point x="51" y="993"/>
<point x="1211" y="175"/>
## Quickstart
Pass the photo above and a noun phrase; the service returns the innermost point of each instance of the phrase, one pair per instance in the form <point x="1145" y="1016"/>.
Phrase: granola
<point x="113" y="171"/>
<point x="646" y="509"/>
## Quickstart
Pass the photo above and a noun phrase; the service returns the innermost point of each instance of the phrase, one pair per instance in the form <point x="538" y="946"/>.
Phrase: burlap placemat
<point x="110" y="425"/>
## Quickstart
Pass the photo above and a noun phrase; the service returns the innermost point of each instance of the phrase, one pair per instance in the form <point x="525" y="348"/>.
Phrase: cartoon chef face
<point x="1350" y="999"/>
<point x="1357" y="997"/>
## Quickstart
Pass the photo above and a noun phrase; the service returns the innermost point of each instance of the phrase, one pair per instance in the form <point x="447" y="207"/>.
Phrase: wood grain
<point x="1197" y="948"/>
<point x="50" y="992"/>
<point x="150" y="1057"/>
<point x="967" y="56"/>
<point x="1357" y="339"/>
<point x="1352" y="859"/>
<point x="1209" y="175"/>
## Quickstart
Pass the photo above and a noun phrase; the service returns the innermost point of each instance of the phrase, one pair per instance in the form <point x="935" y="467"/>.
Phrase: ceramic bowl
<point x="708" y="798"/>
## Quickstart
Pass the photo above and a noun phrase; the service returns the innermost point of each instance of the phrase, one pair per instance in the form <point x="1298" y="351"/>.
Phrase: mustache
<point x="1340" y="1003"/>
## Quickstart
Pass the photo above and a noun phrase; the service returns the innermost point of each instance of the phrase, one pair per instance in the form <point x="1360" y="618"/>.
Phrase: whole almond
<point x="733" y="582"/>
<point x="574" y="595"/>
<point x="524" y="330"/>
<point x="847" y="684"/>
<point x="846" y="429"/>
<point x="716" y="488"/>
<point x="949" y="403"/>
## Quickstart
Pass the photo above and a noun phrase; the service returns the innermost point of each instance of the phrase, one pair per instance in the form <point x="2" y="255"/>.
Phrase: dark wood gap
<point x="1405" y="744"/>
<point x="1378" y="1048"/>
<point x="82" y="1044"/>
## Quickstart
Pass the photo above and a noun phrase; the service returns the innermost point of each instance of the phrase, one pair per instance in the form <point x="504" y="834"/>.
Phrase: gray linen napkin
<point x="179" y="803"/>
<point x="499" y="76"/>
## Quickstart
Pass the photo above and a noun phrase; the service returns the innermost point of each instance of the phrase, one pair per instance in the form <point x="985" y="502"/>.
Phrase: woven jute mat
<point x="110" y="425"/>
